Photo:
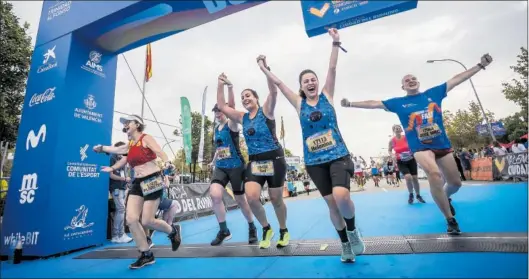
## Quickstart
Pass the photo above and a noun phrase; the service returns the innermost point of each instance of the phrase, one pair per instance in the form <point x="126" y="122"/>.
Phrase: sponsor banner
<point x="497" y="129"/>
<point x="513" y="165"/>
<point x="194" y="199"/>
<point x="481" y="169"/>
<point x="319" y="15"/>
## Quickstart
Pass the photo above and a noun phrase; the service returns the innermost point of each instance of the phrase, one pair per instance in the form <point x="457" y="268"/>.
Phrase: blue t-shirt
<point x="227" y="148"/>
<point x="322" y="141"/>
<point x="422" y="118"/>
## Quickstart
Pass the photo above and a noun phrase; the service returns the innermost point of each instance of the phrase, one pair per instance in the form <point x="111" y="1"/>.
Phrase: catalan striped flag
<point x="148" y="64"/>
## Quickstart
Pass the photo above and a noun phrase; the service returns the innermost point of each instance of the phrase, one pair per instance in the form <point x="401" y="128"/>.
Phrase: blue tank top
<point x="322" y="141"/>
<point x="259" y="133"/>
<point x="227" y="148"/>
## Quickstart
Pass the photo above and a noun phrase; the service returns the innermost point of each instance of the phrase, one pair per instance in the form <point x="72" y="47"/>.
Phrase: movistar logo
<point x="34" y="139"/>
<point x="219" y="5"/>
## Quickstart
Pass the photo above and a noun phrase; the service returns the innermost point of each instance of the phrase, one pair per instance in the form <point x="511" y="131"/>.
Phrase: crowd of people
<point x="327" y="159"/>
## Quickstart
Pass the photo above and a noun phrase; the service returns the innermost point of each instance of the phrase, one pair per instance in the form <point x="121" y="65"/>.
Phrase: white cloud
<point x="379" y="54"/>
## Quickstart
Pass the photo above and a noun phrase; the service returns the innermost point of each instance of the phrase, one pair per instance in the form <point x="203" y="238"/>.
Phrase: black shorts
<point x="439" y="153"/>
<point x="233" y="176"/>
<point x="136" y="188"/>
<point x="276" y="180"/>
<point x="328" y="175"/>
<point x="407" y="167"/>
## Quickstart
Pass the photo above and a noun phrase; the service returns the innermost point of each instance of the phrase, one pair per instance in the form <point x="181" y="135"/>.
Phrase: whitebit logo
<point x="82" y="152"/>
<point x="34" y="139"/>
<point x="28" y="188"/>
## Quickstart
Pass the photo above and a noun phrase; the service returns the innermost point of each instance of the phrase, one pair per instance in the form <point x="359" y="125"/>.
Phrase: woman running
<point x="391" y="171"/>
<point x="327" y="159"/>
<point x="267" y="157"/>
<point x="421" y="113"/>
<point x="229" y="168"/>
<point x="375" y="174"/>
<point x="147" y="187"/>
<point x="406" y="163"/>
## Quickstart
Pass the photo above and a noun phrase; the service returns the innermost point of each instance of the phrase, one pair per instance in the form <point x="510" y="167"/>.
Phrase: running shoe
<point x="453" y="227"/>
<point x="420" y="199"/>
<point x="143" y="260"/>
<point x="357" y="244"/>
<point x="252" y="236"/>
<point x="268" y="234"/>
<point x="284" y="239"/>
<point x="221" y="236"/>
<point x="347" y="253"/>
<point x="410" y="198"/>
<point x="175" y="237"/>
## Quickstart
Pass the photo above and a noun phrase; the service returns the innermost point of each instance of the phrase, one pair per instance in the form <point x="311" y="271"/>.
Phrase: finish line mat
<point x="406" y="244"/>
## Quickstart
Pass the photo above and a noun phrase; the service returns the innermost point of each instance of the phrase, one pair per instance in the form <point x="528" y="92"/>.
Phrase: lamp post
<point x="475" y="93"/>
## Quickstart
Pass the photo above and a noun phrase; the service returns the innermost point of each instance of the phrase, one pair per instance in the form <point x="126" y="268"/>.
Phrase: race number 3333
<point x="151" y="185"/>
<point x="263" y="168"/>
<point x="321" y="141"/>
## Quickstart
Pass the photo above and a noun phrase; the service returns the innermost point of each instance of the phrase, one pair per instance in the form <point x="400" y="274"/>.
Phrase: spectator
<point x="498" y="149"/>
<point x="465" y="157"/>
<point x="518" y="147"/>
<point x="117" y="187"/>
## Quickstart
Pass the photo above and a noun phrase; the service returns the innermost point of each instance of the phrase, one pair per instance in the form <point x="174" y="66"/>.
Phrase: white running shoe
<point x="347" y="254"/>
<point x="116" y="239"/>
<point x="357" y="244"/>
<point x="125" y="239"/>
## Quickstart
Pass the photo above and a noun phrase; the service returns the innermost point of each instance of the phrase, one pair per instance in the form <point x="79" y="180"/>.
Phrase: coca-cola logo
<point x="44" y="97"/>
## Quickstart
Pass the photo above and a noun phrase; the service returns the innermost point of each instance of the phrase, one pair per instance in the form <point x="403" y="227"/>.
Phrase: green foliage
<point x="516" y="91"/>
<point x="461" y="126"/>
<point x="15" y="57"/>
<point x="196" y="124"/>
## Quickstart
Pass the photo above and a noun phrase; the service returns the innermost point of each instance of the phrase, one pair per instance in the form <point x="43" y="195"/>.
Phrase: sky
<point x="379" y="54"/>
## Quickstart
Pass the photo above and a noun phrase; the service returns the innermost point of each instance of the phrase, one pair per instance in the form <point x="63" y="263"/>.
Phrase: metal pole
<point x="3" y="151"/>
<point x="144" y="82"/>
<point x="475" y="93"/>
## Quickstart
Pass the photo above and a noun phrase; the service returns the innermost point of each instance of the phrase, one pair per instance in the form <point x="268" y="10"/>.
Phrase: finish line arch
<point x="57" y="199"/>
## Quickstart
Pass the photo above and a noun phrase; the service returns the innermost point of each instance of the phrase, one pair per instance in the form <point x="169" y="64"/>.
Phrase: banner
<point x="481" y="169"/>
<point x="194" y="199"/>
<point x="319" y="15"/>
<point x="201" y="146"/>
<point x="186" y="128"/>
<point x="513" y="165"/>
<point x="497" y="129"/>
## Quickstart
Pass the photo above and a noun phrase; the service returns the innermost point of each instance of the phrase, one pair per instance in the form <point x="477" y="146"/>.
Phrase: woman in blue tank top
<point x="266" y="157"/>
<point x="327" y="159"/>
<point x="229" y="168"/>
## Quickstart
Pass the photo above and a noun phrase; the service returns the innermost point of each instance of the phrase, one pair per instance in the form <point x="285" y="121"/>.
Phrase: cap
<point x="132" y="117"/>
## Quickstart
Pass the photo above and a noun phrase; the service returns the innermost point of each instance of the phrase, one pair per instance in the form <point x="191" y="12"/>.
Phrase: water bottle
<point x="17" y="255"/>
<point x="12" y="247"/>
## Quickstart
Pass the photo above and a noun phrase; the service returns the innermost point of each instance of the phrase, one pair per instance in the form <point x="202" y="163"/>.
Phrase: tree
<point x="517" y="90"/>
<point x="461" y="126"/>
<point x="15" y="57"/>
<point x="515" y="126"/>
<point x="288" y="153"/>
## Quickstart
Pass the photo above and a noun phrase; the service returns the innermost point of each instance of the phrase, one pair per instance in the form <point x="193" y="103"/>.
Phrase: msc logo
<point x="28" y="188"/>
<point x="219" y="5"/>
<point x="34" y="139"/>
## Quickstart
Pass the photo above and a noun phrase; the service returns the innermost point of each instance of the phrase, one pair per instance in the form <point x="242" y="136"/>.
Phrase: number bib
<point x="427" y="132"/>
<point x="223" y="153"/>
<point x="321" y="141"/>
<point x="263" y="168"/>
<point x="406" y="156"/>
<point x="151" y="185"/>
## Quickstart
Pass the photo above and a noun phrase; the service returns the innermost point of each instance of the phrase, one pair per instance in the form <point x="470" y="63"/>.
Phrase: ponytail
<point x="302" y="94"/>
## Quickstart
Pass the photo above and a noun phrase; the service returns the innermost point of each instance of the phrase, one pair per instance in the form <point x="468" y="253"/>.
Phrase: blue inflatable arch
<point x="57" y="198"/>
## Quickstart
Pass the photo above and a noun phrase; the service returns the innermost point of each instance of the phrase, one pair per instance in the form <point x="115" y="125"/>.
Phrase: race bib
<point x="223" y="153"/>
<point x="321" y="141"/>
<point x="406" y="156"/>
<point x="427" y="132"/>
<point x="263" y="168"/>
<point x="151" y="185"/>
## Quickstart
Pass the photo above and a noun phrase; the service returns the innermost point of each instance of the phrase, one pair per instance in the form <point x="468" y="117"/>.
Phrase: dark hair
<point x="307" y="71"/>
<point x="119" y="143"/>
<point x="254" y="93"/>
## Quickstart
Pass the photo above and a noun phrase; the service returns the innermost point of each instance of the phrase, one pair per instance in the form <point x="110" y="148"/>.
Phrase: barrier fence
<point x="512" y="166"/>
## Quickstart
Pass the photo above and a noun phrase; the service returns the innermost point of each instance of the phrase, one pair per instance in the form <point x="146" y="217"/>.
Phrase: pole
<point x="3" y="151"/>
<point x="475" y="93"/>
<point x="144" y="82"/>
